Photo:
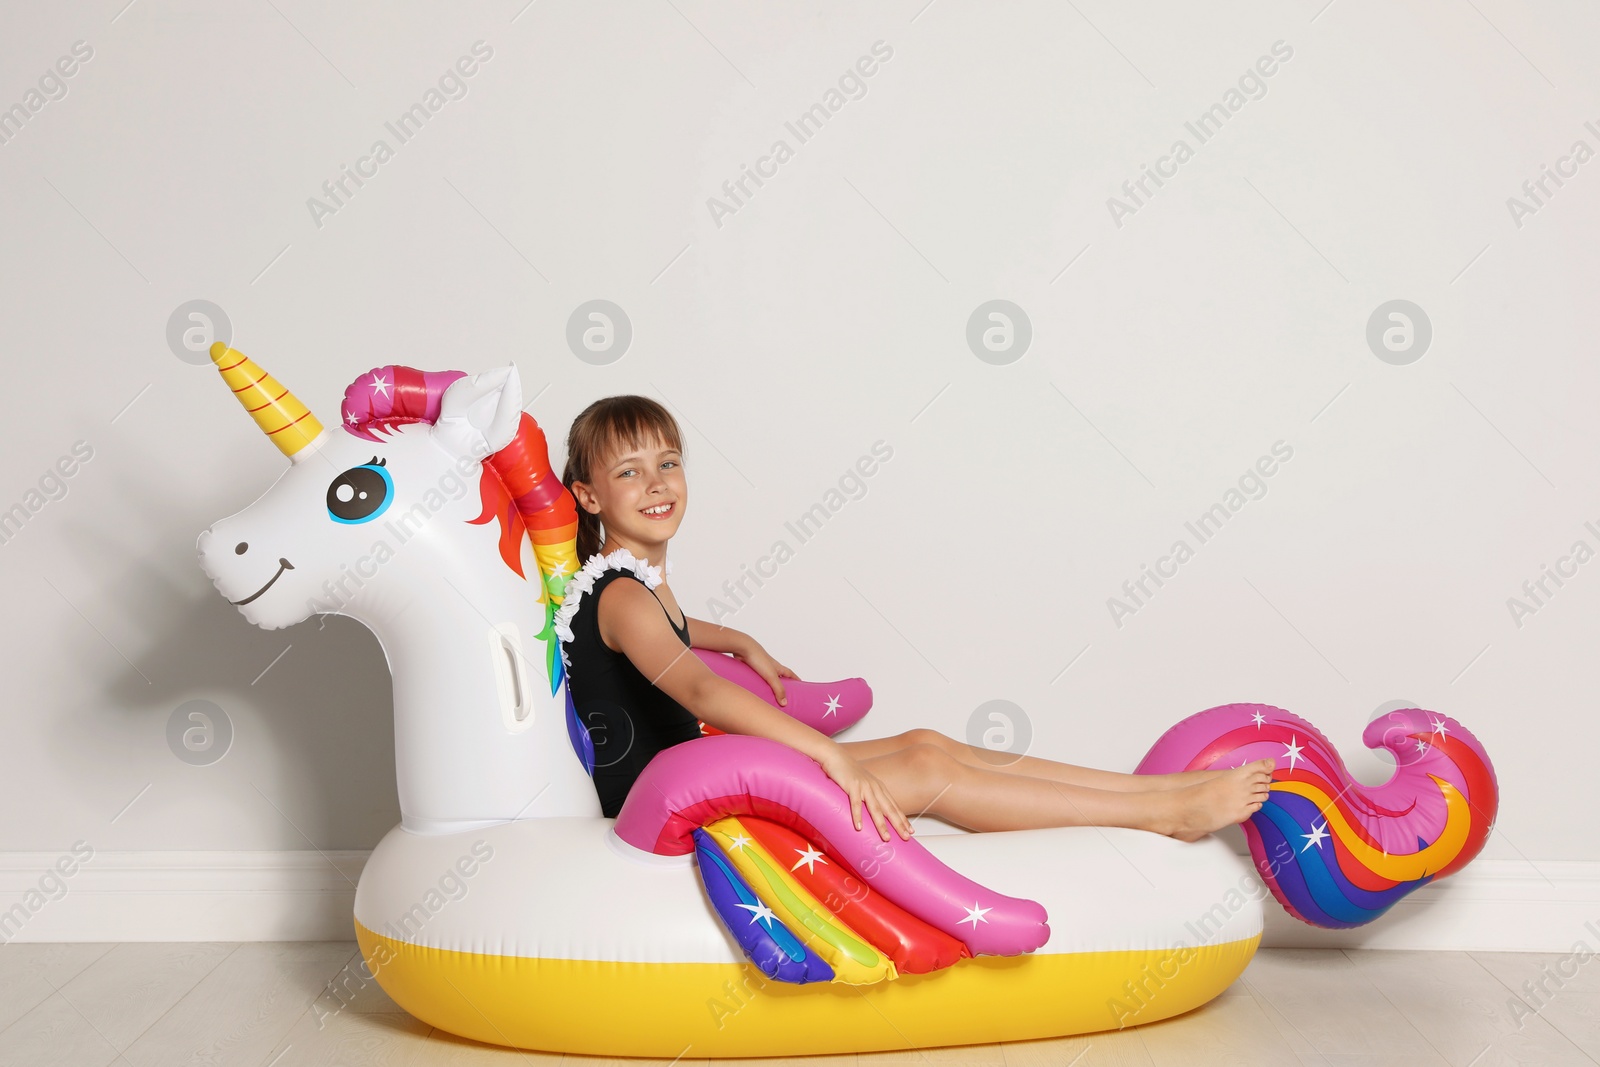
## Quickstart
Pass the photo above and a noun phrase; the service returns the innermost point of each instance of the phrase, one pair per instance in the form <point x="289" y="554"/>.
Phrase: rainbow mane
<point x="1334" y="852"/>
<point x="516" y="485"/>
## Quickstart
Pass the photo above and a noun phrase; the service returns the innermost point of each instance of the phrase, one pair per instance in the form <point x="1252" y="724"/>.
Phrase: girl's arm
<point x="717" y="638"/>
<point x="630" y="619"/>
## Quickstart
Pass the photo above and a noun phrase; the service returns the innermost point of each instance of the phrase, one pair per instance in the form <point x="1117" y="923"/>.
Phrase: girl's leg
<point x="926" y="779"/>
<point x="1030" y="766"/>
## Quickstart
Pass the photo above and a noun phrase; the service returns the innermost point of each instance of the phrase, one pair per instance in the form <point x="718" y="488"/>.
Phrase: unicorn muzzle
<point x="243" y="573"/>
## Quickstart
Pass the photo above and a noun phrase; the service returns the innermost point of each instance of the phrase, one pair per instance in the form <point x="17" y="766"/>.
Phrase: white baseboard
<point x="1493" y="905"/>
<point x="181" y="896"/>
<point x="1489" y="906"/>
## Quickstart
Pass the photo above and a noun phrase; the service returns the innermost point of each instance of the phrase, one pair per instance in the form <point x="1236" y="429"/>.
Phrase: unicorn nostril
<point x="240" y="548"/>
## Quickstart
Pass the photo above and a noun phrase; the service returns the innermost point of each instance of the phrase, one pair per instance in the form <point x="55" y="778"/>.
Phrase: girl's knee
<point x="930" y="760"/>
<point x="919" y="774"/>
<point x="931" y="738"/>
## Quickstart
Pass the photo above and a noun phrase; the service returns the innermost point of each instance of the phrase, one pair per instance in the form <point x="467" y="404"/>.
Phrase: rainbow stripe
<point x="1334" y="852"/>
<point x="913" y="946"/>
<point x="853" y="959"/>
<point x="765" y="938"/>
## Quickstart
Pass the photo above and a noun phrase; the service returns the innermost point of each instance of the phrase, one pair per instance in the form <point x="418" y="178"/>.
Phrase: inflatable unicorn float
<point x="731" y="909"/>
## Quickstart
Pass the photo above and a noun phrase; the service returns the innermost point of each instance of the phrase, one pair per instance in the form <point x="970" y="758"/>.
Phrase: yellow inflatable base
<point x="695" y="1010"/>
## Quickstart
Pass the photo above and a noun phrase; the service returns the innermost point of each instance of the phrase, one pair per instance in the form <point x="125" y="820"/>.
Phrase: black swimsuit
<point x="629" y="720"/>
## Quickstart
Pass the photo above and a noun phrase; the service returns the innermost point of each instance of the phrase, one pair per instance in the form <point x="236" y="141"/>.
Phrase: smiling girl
<point x="639" y="691"/>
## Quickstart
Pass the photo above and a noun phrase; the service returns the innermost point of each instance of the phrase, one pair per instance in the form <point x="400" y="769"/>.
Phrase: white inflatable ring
<point x="568" y="939"/>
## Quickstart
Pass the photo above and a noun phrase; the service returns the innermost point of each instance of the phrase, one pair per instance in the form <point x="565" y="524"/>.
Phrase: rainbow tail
<point x="1334" y="852"/>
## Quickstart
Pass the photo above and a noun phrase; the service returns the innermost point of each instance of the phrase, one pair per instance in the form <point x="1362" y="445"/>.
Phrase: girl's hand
<point x="861" y="785"/>
<point x="770" y="670"/>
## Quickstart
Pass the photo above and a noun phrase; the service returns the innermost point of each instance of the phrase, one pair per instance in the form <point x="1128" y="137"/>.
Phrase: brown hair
<point x="605" y="427"/>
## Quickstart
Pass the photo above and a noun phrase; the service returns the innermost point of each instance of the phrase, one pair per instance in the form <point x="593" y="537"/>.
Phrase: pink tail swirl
<point x="1334" y="852"/>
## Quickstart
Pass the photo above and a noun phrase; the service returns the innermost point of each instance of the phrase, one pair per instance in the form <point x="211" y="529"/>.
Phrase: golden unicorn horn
<point x="278" y="412"/>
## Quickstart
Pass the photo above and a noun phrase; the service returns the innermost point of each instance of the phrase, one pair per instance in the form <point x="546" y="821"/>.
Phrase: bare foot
<point x="1222" y="800"/>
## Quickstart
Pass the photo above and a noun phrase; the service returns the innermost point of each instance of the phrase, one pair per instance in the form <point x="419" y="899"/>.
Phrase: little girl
<point x="639" y="690"/>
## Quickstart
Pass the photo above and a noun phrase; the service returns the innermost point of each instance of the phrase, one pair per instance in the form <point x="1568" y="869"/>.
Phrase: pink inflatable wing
<point x="1334" y="852"/>
<point x="826" y="707"/>
<point x="698" y="782"/>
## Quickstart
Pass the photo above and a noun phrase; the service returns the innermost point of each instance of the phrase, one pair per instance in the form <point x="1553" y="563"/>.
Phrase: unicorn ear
<point x="479" y="414"/>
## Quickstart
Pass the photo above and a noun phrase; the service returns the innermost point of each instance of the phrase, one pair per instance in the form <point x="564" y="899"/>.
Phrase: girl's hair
<point x="611" y="425"/>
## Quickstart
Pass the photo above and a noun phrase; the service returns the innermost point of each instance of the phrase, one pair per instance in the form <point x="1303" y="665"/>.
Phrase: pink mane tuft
<point x="390" y="396"/>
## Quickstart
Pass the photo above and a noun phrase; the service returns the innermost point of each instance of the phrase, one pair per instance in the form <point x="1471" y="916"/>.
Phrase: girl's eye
<point x="664" y="463"/>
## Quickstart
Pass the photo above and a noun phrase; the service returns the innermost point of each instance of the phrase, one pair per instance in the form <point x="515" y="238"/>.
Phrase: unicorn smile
<point x="283" y="565"/>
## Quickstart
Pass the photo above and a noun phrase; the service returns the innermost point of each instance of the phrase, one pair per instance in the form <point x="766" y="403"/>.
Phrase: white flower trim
<point x="618" y="560"/>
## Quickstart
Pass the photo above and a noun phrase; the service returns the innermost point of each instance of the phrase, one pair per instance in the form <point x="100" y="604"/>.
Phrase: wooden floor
<point x="267" y="1004"/>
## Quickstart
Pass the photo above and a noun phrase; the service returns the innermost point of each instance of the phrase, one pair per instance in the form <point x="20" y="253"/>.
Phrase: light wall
<point x="1176" y="340"/>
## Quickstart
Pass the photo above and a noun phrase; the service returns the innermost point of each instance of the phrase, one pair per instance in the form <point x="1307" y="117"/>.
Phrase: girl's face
<point x="640" y="494"/>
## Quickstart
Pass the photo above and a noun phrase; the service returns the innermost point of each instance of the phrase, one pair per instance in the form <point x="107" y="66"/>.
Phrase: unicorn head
<point x="378" y="521"/>
<point x="325" y="536"/>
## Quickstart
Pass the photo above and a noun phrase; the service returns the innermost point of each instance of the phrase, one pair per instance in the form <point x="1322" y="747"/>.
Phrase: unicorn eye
<point x="360" y="494"/>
